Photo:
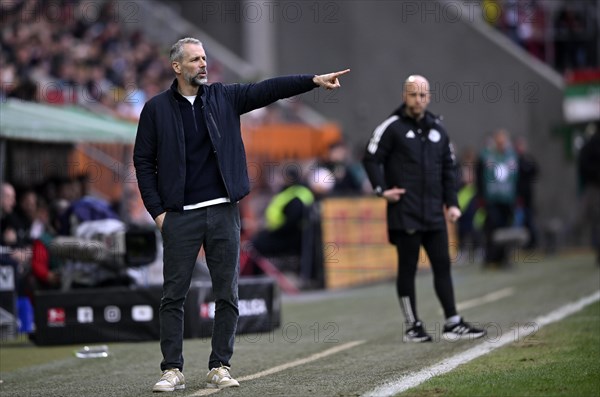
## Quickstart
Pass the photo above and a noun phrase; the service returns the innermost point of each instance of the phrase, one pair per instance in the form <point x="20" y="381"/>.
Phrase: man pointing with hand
<point x="410" y="163"/>
<point x="191" y="169"/>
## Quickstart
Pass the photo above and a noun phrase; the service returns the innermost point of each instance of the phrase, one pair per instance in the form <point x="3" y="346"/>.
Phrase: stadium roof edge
<point x="38" y="122"/>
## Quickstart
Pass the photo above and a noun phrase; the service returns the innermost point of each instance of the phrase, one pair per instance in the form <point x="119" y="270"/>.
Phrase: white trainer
<point x="219" y="378"/>
<point x="171" y="380"/>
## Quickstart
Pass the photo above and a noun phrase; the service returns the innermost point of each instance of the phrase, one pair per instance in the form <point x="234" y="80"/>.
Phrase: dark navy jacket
<point x="416" y="156"/>
<point x="159" y="151"/>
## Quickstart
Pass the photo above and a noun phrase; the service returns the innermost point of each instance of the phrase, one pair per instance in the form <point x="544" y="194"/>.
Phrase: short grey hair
<point x="177" y="49"/>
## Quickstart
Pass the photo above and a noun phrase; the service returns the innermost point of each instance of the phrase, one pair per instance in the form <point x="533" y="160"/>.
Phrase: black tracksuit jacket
<point x="159" y="151"/>
<point x="416" y="156"/>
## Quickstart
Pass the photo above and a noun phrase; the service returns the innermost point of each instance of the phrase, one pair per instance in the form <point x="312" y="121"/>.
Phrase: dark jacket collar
<point x="178" y="96"/>
<point x="429" y="118"/>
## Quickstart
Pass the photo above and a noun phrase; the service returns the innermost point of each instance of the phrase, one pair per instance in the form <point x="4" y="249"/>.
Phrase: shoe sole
<point x="159" y="390"/>
<point x="213" y="386"/>
<point x="449" y="336"/>
<point x="424" y="339"/>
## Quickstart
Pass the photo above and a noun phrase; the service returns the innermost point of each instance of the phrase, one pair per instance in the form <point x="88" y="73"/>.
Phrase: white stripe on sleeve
<point x="374" y="142"/>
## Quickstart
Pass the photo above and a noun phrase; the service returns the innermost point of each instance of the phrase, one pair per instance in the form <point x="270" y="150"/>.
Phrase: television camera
<point x="102" y="251"/>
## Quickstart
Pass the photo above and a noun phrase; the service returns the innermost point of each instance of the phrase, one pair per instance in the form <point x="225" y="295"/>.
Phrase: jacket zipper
<point x="212" y="120"/>
<point x="194" y="115"/>
<point x="182" y="132"/>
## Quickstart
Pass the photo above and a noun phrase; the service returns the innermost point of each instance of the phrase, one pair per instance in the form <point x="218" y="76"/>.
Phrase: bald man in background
<point x="410" y="163"/>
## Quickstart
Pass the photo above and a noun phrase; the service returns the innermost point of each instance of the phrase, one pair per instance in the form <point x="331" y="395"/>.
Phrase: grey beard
<point x="196" y="81"/>
<point x="201" y="81"/>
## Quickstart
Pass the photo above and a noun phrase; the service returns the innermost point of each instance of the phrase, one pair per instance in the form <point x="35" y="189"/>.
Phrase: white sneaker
<point x="219" y="378"/>
<point x="171" y="380"/>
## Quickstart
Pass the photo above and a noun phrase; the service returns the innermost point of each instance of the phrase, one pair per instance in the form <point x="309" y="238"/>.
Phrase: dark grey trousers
<point x="217" y="228"/>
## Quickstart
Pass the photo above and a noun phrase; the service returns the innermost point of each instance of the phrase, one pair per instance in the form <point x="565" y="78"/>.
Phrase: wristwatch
<point x="379" y="191"/>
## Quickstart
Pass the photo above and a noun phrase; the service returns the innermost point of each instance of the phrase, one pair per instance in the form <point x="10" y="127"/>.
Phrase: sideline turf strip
<point x="561" y="359"/>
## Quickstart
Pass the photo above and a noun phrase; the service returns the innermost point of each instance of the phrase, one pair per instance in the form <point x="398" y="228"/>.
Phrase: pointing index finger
<point x="342" y="72"/>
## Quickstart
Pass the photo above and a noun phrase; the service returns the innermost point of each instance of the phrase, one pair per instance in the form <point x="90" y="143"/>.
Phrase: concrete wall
<point x="221" y="19"/>
<point x="480" y="80"/>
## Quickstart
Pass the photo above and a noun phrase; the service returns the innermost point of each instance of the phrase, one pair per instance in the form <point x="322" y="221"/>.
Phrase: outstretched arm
<point x="247" y="97"/>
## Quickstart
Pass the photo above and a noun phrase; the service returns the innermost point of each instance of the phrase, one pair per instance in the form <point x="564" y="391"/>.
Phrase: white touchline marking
<point x="302" y="361"/>
<point x="205" y="392"/>
<point x="412" y="380"/>
<point x="489" y="298"/>
<point x="291" y="364"/>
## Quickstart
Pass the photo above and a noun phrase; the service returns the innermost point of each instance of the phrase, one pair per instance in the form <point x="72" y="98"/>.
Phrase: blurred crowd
<point x="77" y="52"/>
<point x="562" y="33"/>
